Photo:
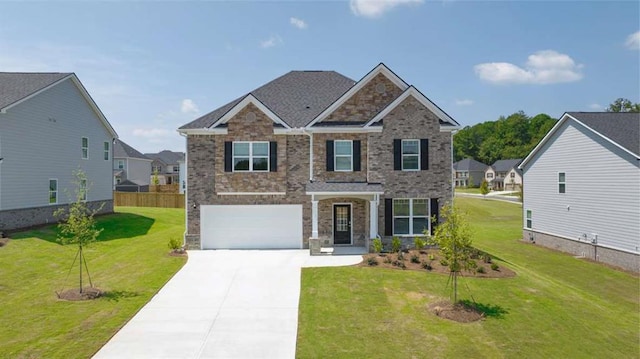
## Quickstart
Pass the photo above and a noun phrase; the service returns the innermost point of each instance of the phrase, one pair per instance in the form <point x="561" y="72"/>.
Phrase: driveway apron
<point x="223" y="304"/>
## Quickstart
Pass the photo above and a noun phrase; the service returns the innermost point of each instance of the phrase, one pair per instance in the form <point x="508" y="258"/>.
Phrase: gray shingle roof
<point x="344" y="187"/>
<point x="15" y="86"/>
<point x="622" y="128"/>
<point x="121" y="149"/>
<point x="296" y="97"/>
<point x="506" y="165"/>
<point x="167" y="157"/>
<point x="469" y="164"/>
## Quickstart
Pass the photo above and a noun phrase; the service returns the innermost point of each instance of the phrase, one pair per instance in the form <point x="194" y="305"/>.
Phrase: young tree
<point x="453" y="237"/>
<point x="77" y="225"/>
<point x="484" y="187"/>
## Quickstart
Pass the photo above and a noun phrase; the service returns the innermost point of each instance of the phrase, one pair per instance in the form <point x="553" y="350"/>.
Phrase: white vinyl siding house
<point x="57" y="120"/>
<point x="584" y="188"/>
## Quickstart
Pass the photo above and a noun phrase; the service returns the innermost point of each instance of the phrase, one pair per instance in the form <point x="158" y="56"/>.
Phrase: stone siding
<point x="14" y="219"/>
<point x="320" y="172"/>
<point x="367" y="102"/>
<point x="624" y="260"/>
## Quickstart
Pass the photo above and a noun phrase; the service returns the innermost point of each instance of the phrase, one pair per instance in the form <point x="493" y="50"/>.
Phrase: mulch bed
<point x="178" y="253"/>
<point x="4" y="241"/>
<point x="88" y="293"/>
<point x="432" y="258"/>
<point x="457" y="312"/>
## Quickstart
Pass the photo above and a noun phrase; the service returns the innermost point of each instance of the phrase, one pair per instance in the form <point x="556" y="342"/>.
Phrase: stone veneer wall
<point x="625" y="260"/>
<point x="13" y="219"/>
<point x="411" y="120"/>
<point x="367" y="102"/>
<point x="359" y="220"/>
<point x="320" y="158"/>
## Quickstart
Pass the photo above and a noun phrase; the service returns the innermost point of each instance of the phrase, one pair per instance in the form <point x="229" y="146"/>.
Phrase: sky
<point x="154" y="66"/>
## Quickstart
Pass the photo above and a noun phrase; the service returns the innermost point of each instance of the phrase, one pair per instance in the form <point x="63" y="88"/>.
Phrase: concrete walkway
<point x="223" y="304"/>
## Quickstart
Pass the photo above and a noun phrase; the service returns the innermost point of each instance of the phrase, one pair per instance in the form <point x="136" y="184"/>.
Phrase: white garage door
<point x="251" y="226"/>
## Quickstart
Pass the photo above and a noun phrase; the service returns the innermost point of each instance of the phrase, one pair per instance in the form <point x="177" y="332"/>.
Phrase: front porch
<point x="344" y="215"/>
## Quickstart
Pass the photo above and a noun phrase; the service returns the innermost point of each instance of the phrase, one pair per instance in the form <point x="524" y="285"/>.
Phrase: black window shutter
<point x="397" y="155"/>
<point x="273" y="156"/>
<point x="228" y="156"/>
<point x="435" y="214"/>
<point x="356" y="155"/>
<point x="329" y="155"/>
<point x="388" y="216"/>
<point x="424" y="154"/>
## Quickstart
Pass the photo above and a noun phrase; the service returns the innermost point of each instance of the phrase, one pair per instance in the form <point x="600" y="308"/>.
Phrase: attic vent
<point x="251" y="116"/>
<point x="381" y="88"/>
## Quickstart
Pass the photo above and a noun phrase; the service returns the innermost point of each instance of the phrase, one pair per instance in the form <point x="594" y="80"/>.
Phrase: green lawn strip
<point x="129" y="261"/>
<point x="467" y="190"/>
<point x="557" y="306"/>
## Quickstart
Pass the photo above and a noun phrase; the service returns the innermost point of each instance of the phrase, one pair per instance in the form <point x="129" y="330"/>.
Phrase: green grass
<point x="467" y="190"/>
<point x="129" y="261"/>
<point x="556" y="307"/>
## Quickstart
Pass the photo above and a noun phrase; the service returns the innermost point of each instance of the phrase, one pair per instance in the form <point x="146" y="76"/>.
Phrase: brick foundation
<point x="14" y="219"/>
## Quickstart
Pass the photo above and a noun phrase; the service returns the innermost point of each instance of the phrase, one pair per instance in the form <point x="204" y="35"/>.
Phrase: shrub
<point x="419" y="243"/>
<point x="494" y="266"/>
<point x="486" y="258"/>
<point x="377" y="245"/>
<point x="387" y="259"/>
<point x="372" y="261"/>
<point x="432" y="257"/>
<point x="480" y="270"/>
<point x="444" y="263"/>
<point x="415" y="258"/>
<point x="396" y="244"/>
<point x="427" y="266"/>
<point x="174" y="243"/>
<point x="400" y="256"/>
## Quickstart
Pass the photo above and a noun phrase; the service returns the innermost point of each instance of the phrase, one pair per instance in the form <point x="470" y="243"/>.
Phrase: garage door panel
<point x="251" y="226"/>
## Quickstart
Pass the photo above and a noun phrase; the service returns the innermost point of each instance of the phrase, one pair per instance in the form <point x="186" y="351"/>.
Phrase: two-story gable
<point x="504" y="175"/>
<point x="49" y="128"/>
<point x="314" y="154"/>
<point x="166" y="166"/>
<point x="131" y="169"/>
<point x="468" y="173"/>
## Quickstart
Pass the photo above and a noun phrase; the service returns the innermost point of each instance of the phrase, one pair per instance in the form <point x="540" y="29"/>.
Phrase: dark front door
<point x="342" y="224"/>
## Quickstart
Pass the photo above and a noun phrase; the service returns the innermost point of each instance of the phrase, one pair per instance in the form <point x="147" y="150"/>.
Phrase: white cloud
<point x="188" y="106"/>
<point x="633" y="41"/>
<point x="543" y="67"/>
<point x="272" y="41"/>
<point x="299" y="23"/>
<point x="465" y="102"/>
<point x="595" y="106"/>
<point x="151" y="133"/>
<point x="375" y="8"/>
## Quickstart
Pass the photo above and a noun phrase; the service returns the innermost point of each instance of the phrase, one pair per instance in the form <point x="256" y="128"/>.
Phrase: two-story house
<point x="504" y="175"/>
<point x="166" y="166"/>
<point x="131" y="169"/>
<point x="468" y="173"/>
<point x="316" y="155"/>
<point x="583" y="188"/>
<point x="49" y="128"/>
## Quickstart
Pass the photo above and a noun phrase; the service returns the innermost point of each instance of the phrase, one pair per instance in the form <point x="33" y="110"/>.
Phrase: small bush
<point x="399" y="264"/>
<point x="372" y="261"/>
<point x="486" y="258"/>
<point x="387" y="259"/>
<point x="432" y="257"/>
<point x="415" y="258"/>
<point x="396" y="244"/>
<point x="444" y="263"/>
<point x="480" y="270"/>
<point x="419" y="243"/>
<point x="174" y="243"/>
<point x="400" y="256"/>
<point x="377" y="245"/>
<point x="494" y="266"/>
<point x="427" y="266"/>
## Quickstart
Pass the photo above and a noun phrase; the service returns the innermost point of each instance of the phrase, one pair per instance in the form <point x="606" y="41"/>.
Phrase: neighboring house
<point x="316" y="155"/>
<point x="504" y="175"/>
<point x="49" y="128"/>
<point x="166" y="165"/>
<point x="468" y="173"/>
<point x="131" y="169"/>
<point x="583" y="188"/>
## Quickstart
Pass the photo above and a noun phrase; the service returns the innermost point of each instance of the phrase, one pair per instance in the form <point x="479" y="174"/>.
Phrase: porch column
<point x="314" y="219"/>
<point x="373" y="218"/>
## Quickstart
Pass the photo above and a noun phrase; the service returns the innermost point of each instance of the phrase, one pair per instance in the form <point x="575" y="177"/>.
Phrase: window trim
<point x="411" y="217"/>
<point x="562" y="185"/>
<point x="490" y="173"/>
<point x="250" y="156"/>
<point x="50" y="191"/>
<point x="107" y="150"/>
<point x="402" y="155"/>
<point x="336" y="155"/>
<point x="85" y="150"/>
<point x="118" y="164"/>
<point x="528" y="219"/>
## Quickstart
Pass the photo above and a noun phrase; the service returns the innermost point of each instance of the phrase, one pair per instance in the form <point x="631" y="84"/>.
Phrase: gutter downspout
<point x="186" y="198"/>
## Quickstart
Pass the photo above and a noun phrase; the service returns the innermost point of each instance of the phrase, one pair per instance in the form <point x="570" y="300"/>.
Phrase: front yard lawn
<point x="556" y="307"/>
<point x="129" y="262"/>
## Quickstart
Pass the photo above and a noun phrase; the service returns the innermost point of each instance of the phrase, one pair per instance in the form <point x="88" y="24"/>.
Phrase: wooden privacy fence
<point x="148" y="199"/>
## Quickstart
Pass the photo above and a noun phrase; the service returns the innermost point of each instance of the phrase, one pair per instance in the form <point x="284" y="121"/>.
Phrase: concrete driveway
<point x="223" y="304"/>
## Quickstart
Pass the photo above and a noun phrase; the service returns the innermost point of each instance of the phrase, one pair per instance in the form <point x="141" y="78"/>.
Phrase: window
<point x="562" y="186"/>
<point x="410" y="155"/>
<point x="513" y="175"/>
<point x="83" y="190"/>
<point x="120" y="164"/>
<point x="251" y="156"/>
<point x="528" y="224"/>
<point x="85" y="148"/>
<point x="176" y="169"/>
<point x="53" y="191"/>
<point x="106" y="151"/>
<point x="343" y="155"/>
<point x="155" y="169"/>
<point x="410" y="216"/>
<point x="489" y="175"/>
